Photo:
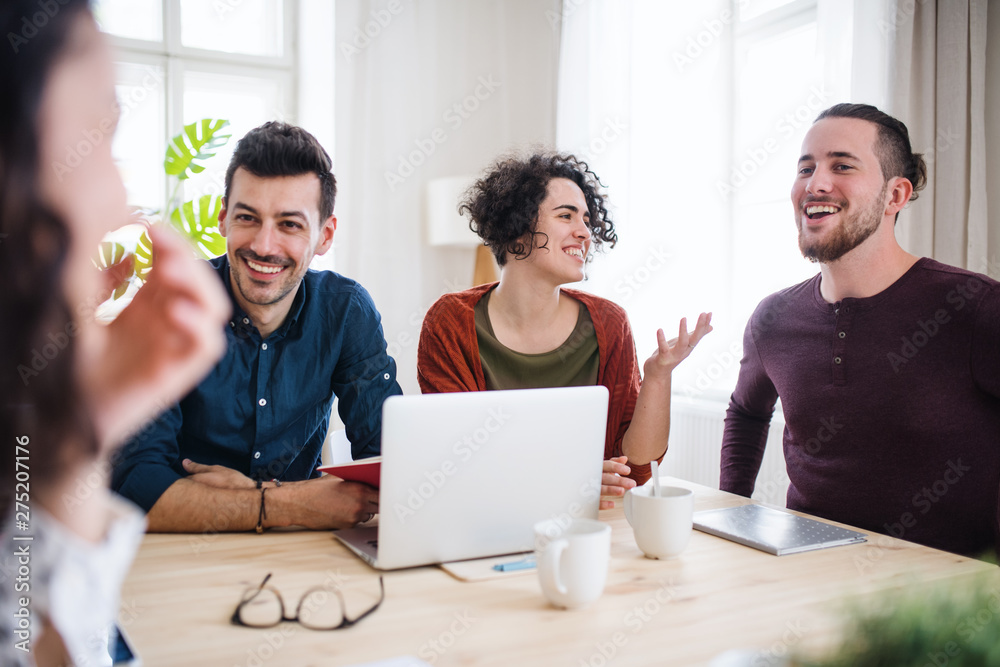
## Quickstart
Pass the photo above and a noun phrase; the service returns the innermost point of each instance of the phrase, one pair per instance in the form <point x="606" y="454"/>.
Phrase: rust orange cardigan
<point x="448" y="357"/>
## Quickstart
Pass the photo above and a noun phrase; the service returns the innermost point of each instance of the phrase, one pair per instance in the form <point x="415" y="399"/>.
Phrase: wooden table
<point x="716" y="596"/>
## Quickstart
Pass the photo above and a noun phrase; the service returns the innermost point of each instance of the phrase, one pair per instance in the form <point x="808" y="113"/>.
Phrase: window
<point x="779" y="89"/>
<point x="182" y="60"/>
<point x="693" y="115"/>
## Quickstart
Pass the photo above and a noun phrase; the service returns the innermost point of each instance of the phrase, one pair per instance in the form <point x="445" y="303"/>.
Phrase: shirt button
<point x="246" y="320"/>
<point x="842" y="335"/>
<point x="385" y="377"/>
<point x="264" y="345"/>
<point x="837" y="360"/>
<point x="256" y="455"/>
<point x="262" y="402"/>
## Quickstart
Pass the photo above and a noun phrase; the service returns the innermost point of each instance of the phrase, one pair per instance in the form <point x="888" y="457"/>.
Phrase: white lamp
<point x="445" y="227"/>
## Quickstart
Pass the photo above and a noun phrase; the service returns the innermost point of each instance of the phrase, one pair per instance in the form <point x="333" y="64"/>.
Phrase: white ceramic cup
<point x="572" y="558"/>
<point x="662" y="524"/>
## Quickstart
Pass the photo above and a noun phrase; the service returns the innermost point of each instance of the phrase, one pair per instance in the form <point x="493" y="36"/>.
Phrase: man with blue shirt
<point x="240" y="451"/>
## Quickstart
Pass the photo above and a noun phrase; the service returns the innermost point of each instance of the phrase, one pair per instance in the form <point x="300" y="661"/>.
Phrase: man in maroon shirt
<point x="887" y="365"/>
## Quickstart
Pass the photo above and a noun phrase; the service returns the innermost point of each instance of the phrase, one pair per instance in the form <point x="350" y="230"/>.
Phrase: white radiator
<point x="696" y="442"/>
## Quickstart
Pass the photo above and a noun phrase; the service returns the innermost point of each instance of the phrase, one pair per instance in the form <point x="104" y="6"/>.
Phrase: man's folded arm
<point x="143" y="467"/>
<point x="323" y="503"/>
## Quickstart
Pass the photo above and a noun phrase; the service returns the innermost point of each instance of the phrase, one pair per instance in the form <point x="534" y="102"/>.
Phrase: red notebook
<point x="363" y="470"/>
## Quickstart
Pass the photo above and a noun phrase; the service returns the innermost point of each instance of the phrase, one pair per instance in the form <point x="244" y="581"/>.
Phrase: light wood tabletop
<point x="716" y="596"/>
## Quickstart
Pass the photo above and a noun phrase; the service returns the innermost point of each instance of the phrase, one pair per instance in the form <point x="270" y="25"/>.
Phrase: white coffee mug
<point x="662" y="524"/>
<point x="572" y="558"/>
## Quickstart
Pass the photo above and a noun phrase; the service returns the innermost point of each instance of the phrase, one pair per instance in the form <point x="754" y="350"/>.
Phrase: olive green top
<point x="572" y="364"/>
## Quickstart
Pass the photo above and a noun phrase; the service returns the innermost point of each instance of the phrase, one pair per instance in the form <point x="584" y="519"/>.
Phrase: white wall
<point x="402" y="67"/>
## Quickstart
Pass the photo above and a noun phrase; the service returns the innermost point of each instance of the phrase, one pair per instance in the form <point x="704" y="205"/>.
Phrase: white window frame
<point x="175" y="59"/>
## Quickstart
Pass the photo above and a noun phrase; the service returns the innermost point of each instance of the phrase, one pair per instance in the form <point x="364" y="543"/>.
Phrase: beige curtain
<point x="938" y="86"/>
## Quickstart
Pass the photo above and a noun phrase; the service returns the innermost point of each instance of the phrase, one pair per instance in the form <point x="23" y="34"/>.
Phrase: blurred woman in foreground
<point x="73" y="389"/>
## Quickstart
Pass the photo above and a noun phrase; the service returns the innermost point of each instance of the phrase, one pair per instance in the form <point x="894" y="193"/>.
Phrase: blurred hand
<point x="161" y="345"/>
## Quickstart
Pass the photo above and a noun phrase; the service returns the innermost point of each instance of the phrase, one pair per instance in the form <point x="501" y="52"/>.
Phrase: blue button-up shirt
<point x="264" y="410"/>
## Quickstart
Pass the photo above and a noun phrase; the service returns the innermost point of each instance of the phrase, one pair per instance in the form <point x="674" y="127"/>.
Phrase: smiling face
<point x="840" y="196"/>
<point x="563" y="218"/>
<point x="273" y="230"/>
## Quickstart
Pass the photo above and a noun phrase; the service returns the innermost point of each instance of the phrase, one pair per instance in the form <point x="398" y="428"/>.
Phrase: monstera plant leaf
<point x="109" y="256"/>
<point x="195" y="144"/>
<point x="198" y="221"/>
<point x="143" y="256"/>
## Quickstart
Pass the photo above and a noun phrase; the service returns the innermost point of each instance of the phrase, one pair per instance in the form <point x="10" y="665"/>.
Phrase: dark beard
<point x="849" y="235"/>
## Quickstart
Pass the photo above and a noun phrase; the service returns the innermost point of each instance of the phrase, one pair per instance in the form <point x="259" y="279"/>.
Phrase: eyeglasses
<point x="319" y="608"/>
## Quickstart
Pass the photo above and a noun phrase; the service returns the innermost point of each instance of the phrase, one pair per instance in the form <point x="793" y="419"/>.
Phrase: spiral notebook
<point x="774" y="531"/>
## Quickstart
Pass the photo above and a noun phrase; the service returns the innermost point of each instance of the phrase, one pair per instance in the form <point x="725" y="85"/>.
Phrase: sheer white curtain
<point x="939" y="89"/>
<point x="426" y="90"/>
<point x="651" y="114"/>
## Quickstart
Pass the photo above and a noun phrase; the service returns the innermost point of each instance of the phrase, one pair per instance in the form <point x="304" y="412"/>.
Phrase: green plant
<point x="953" y="624"/>
<point x="196" y="220"/>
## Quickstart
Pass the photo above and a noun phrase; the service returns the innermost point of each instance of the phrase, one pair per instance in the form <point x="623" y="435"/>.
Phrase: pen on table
<point x="525" y="563"/>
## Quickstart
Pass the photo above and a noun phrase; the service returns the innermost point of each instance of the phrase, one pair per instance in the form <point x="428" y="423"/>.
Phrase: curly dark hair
<point x="504" y="204"/>
<point x="45" y="406"/>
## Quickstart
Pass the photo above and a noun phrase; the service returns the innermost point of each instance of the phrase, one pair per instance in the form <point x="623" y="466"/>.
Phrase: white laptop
<point x="467" y="475"/>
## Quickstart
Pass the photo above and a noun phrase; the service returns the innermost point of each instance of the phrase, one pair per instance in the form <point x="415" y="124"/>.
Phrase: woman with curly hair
<point x="541" y="216"/>
<point x="72" y="388"/>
